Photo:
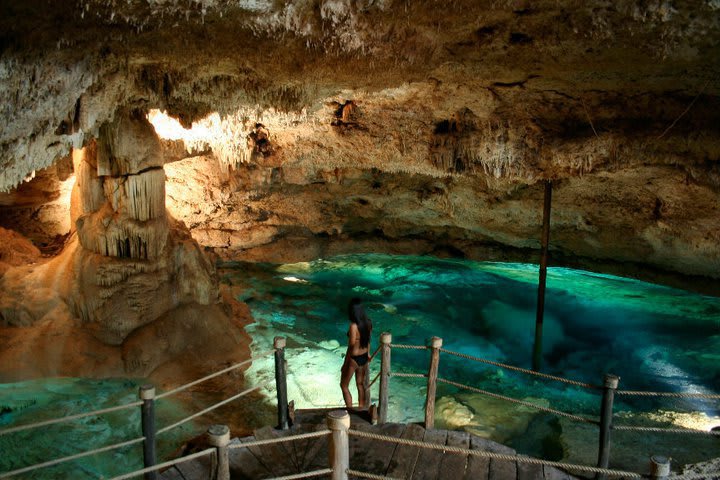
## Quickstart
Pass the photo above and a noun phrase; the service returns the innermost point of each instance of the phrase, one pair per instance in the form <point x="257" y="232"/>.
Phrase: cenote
<point x="654" y="337"/>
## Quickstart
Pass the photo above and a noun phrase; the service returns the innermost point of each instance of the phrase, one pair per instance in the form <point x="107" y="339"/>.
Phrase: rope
<point x="160" y="466"/>
<point x="69" y="417"/>
<point x="376" y="350"/>
<point x="408" y="347"/>
<point x="669" y="394"/>
<point x="374" y="380"/>
<point x="213" y="375"/>
<point x="314" y="473"/>
<point x="664" y="430"/>
<point x="302" y="436"/>
<point x="522" y="370"/>
<point x="372" y="476"/>
<point x="209" y="409"/>
<point x="408" y="375"/>
<point x="497" y="456"/>
<point x="527" y="404"/>
<point x="70" y="458"/>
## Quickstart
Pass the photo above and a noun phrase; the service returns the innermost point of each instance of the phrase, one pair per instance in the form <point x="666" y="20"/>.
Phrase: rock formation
<point x="296" y="129"/>
<point x="131" y="291"/>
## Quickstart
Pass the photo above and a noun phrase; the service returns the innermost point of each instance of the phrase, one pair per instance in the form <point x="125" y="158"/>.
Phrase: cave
<point x="182" y="180"/>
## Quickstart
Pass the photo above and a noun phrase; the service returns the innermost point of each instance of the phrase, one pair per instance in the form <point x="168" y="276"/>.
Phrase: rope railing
<point x="314" y="473"/>
<point x="372" y="382"/>
<point x="521" y="370"/>
<point x="70" y="458"/>
<point x="493" y="455"/>
<point x="160" y="466"/>
<point x="408" y="375"/>
<point x="689" y="431"/>
<point x="520" y="402"/>
<point x="68" y="418"/>
<point x="289" y="438"/>
<point x="213" y="375"/>
<point x="371" y="476"/>
<point x="208" y="409"/>
<point x="408" y="347"/>
<point x="704" y="396"/>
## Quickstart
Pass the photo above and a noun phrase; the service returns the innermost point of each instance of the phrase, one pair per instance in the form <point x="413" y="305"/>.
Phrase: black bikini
<point x="361" y="359"/>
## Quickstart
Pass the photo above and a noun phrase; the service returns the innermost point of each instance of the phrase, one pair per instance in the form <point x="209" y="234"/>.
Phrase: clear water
<point x="37" y="400"/>
<point x="655" y="338"/>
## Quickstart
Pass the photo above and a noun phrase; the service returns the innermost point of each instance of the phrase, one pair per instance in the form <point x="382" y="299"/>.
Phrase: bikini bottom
<point x="361" y="359"/>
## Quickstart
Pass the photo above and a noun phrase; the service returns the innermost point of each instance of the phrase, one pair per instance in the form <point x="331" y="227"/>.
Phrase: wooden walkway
<point x="367" y="455"/>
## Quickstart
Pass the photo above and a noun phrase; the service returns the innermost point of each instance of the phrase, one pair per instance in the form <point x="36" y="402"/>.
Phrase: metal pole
<point x="544" y="241"/>
<point x="385" y="341"/>
<point x="219" y="437"/>
<point x="147" y="417"/>
<point x="659" y="467"/>
<point x="281" y="382"/>
<point x="610" y="384"/>
<point x="338" y="421"/>
<point x="435" y="345"/>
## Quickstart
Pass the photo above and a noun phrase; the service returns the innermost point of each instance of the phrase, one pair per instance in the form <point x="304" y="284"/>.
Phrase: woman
<point x="357" y="356"/>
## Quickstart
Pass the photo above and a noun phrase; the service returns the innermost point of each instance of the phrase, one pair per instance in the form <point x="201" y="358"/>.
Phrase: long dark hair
<point x="357" y="315"/>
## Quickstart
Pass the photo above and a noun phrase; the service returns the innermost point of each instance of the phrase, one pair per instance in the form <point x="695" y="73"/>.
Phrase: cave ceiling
<point x="465" y="107"/>
<point x="539" y="76"/>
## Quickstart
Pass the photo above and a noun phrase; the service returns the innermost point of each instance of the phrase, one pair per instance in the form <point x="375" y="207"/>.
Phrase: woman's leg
<point x="346" y="374"/>
<point x="360" y="373"/>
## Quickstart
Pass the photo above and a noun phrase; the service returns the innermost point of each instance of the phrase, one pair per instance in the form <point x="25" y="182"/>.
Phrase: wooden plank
<point x="552" y="473"/>
<point x="453" y="464"/>
<point x="197" y="468"/>
<point x="501" y="469"/>
<point x="318" y="453"/>
<point x="404" y="458"/>
<point x="529" y="471"/>
<point x="244" y="464"/>
<point x="373" y="456"/>
<point x="478" y="468"/>
<point x="276" y="456"/>
<point x="428" y="462"/>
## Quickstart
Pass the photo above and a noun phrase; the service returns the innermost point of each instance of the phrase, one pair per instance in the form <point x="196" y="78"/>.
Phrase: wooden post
<point x="385" y="341"/>
<point x="435" y="344"/>
<point x="545" y="240"/>
<point x="610" y="384"/>
<point x="659" y="467"/>
<point x="281" y="382"/>
<point x="219" y="437"/>
<point x="338" y="421"/>
<point x="147" y="417"/>
<point x="366" y="387"/>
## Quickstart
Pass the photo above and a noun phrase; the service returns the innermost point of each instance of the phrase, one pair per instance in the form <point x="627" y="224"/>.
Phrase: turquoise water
<point x="655" y="338"/>
<point x="37" y="400"/>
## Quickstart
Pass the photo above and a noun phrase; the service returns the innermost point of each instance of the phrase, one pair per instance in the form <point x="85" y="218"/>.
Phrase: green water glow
<point x="38" y="400"/>
<point x="655" y="338"/>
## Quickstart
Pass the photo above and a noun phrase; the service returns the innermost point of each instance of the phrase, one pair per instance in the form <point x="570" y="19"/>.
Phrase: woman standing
<point x="357" y="356"/>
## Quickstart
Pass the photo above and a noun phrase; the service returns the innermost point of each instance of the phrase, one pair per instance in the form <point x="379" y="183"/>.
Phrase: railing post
<point x="338" y="421"/>
<point x="659" y="467"/>
<point x="366" y="387"/>
<point x="281" y="382"/>
<point x="385" y="341"/>
<point x="219" y="437"/>
<point x="610" y="384"/>
<point x="147" y="417"/>
<point x="435" y="345"/>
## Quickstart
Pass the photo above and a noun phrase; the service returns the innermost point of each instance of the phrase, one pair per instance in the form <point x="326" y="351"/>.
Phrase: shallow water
<point x="37" y="400"/>
<point x="655" y="338"/>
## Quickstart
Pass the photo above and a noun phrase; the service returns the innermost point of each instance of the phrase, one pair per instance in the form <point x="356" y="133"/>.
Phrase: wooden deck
<point x="367" y="455"/>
